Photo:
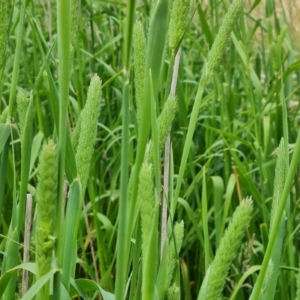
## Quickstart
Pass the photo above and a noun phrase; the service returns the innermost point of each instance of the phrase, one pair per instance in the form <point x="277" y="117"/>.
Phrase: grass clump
<point x="121" y="220"/>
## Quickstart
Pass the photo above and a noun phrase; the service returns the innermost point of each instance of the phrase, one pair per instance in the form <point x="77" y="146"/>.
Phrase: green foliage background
<point x="249" y="104"/>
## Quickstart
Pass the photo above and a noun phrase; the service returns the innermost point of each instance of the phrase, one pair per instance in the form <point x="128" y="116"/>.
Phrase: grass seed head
<point x="165" y="121"/>
<point x="4" y="23"/>
<point x="174" y="249"/>
<point x="179" y="22"/>
<point x="146" y="200"/>
<point x="75" y="12"/>
<point x="173" y="292"/>
<point x="228" y="249"/>
<point x="22" y="105"/>
<point x="46" y="197"/>
<point x="221" y="39"/>
<point x="88" y="131"/>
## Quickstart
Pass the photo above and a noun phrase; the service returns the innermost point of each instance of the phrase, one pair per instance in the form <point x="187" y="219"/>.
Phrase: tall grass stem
<point x="122" y="242"/>
<point x="64" y="48"/>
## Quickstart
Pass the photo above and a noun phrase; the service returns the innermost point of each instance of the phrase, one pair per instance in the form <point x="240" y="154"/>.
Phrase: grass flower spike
<point x="4" y="22"/>
<point x="178" y="23"/>
<point x="174" y="249"/>
<point x="88" y="130"/>
<point x="219" y="44"/>
<point x="227" y="251"/>
<point x="75" y="8"/>
<point x="22" y="105"/>
<point x="146" y="200"/>
<point x="165" y="120"/>
<point x="173" y="292"/>
<point x="149" y="230"/>
<point x="46" y="197"/>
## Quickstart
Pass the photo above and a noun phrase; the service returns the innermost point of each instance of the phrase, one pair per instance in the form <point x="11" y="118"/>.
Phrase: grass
<point x="189" y="115"/>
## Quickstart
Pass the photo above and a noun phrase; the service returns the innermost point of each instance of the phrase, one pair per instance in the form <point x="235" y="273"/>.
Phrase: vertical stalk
<point x="63" y="32"/>
<point x="15" y="74"/>
<point x="167" y="162"/>
<point x="64" y="44"/>
<point x="122" y="250"/>
<point x="26" y="242"/>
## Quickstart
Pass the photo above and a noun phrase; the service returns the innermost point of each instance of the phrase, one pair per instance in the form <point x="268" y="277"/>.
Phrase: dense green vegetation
<point x="149" y="150"/>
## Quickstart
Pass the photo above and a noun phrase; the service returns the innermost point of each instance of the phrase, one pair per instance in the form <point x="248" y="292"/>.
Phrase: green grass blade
<point x="64" y="47"/>
<point x="31" y="267"/>
<point x="204" y="201"/>
<point x="205" y="27"/>
<point x="4" y="135"/>
<point x="122" y="239"/>
<point x="26" y="141"/>
<point x="216" y="186"/>
<point x="89" y="285"/>
<point x="240" y="283"/>
<point x="39" y="284"/>
<point x="72" y="220"/>
<point x="15" y="74"/>
<point x="3" y="169"/>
